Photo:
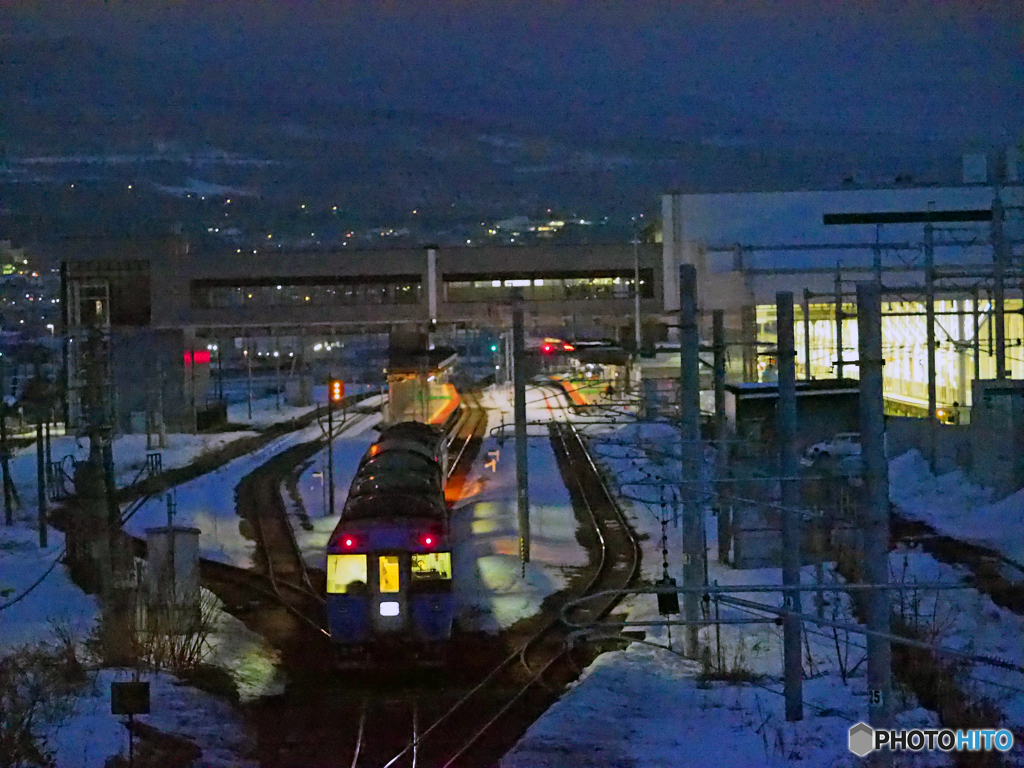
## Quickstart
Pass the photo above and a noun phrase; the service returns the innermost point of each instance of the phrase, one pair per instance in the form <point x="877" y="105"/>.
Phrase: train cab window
<point x="432" y="566"/>
<point x="346" y="574"/>
<point x="389" y="570"/>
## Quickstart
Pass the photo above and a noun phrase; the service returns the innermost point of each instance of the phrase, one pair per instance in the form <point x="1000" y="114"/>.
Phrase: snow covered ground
<point x="55" y="601"/>
<point x="92" y="734"/>
<point x="954" y="506"/>
<point x="208" y="502"/>
<point x="271" y="410"/>
<point x="647" y="707"/>
<point x="129" y="457"/>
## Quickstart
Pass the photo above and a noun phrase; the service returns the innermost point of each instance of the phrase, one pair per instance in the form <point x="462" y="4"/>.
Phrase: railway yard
<point x="471" y="713"/>
<point x="515" y="651"/>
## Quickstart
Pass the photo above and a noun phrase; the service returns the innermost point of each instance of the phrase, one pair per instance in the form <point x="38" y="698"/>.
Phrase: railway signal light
<point x="349" y="542"/>
<point x="494" y="347"/>
<point x="428" y="540"/>
<point x="336" y="388"/>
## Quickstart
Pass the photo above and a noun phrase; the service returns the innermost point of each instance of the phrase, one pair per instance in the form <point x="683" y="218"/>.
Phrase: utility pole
<point x="519" y="390"/>
<point x="975" y="299"/>
<point x="636" y="295"/>
<point x="4" y="455"/>
<point x="789" y="467"/>
<point x="162" y="426"/>
<point x="41" y="481"/>
<point x="876" y="540"/>
<point x="721" y="455"/>
<point x="929" y="307"/>
<point x="1000" y="263"/>
<point x="690" y="452"/>
<point x="839" y="322"/>
<point x="277" y="374"/>
<point x="806" y="308"/>
<point x="248" y="368"/>
<point x="5" y="463"/>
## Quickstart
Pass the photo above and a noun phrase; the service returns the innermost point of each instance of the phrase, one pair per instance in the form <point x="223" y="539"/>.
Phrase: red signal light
<point x="547" y="347"/>
<point x="349" y="541"/>
<point x="428" y="540"/>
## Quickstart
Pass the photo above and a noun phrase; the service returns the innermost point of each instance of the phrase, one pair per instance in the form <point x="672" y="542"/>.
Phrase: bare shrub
<point x="38" y="686"/>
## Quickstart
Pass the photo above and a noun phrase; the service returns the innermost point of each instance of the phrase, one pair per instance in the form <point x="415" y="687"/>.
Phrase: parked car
<point x="842" y="445"/>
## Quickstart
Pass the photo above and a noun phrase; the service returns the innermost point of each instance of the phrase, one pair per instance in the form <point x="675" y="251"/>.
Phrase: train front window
<point x="432" y="566"/>
<point x="345" y="574"/>
<point x="389" y="570"/>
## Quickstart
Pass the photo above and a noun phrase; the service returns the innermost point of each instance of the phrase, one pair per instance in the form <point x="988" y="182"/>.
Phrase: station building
<point x="167" y="305"/>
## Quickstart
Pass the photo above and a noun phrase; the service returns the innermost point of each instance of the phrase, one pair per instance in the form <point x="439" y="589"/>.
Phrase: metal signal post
<point x="335" y="394"/>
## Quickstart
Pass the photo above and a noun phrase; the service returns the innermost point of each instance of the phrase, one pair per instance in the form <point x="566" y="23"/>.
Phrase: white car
<point x="843" y="445"/>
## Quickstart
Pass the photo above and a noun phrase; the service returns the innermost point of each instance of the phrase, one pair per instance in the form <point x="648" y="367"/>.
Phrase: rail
<point x="613" y="531"/>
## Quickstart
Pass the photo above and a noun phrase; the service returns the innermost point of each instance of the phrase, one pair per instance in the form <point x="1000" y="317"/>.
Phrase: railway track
<point x="486" y="720"/>
<point x="281" y="581"/>
<point x="468" y="432"/>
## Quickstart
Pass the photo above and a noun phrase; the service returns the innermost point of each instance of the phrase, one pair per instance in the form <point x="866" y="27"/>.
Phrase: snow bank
<point x="955" y="507"/>
<point x="92" y="734"/>
<point x="56" y="601"/>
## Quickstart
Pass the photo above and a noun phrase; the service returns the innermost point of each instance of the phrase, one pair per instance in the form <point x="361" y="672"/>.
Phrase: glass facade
<point x="555" y="286"/>
<point x="904" y="345"/>
<point x="298" y="292"/>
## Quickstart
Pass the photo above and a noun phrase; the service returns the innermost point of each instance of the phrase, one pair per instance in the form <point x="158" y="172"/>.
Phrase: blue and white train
<point x="389" y="560"/>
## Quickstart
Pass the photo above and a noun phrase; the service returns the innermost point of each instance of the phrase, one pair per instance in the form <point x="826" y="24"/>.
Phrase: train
<point x="389" y="560"/>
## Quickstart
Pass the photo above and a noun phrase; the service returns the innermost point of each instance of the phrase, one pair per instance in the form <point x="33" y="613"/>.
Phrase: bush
<point x="38" y="686"/>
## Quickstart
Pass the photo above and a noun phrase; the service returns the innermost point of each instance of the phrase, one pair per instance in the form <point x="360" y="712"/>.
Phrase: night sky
<point x="942" y="70"/>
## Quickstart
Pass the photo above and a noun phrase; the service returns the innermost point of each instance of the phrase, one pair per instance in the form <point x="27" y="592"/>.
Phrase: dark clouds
<point x="950" y="70"/>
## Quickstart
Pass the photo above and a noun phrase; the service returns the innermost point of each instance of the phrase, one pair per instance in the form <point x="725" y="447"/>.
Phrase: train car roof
<point x="414" y="428"/>
<point x="398" y="505"/>
<point x="397" y="444"/>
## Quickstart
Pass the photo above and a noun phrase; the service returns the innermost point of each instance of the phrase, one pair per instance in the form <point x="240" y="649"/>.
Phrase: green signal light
<point x="494" y="347"/>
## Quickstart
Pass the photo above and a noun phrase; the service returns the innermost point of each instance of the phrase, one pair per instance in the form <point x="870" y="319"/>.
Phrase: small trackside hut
<point x="389" y="563"/>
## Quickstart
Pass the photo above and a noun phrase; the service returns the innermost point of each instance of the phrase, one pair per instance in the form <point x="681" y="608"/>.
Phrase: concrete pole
<point x="805" y="306"/>
<point x="791" y="524"/>
<point x="5" y="464"/>
<point x="277" y="373"/>
<point x="929" y="309"/>
<point x="961" y="356"/>
<point x="248" y="370"/>
<point x="975" y="300"/>
<point x="876" y="519"/>
<point x="748" y="323"/>
<point x="41" y="482"/>
<point x="999" y="261"/>
<point x="690" y="454"/>
<point x="839" y="323"/>
<point x="636" y="296"/>
<point x="722" y="461"/>
<point x="519" y="389"/>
